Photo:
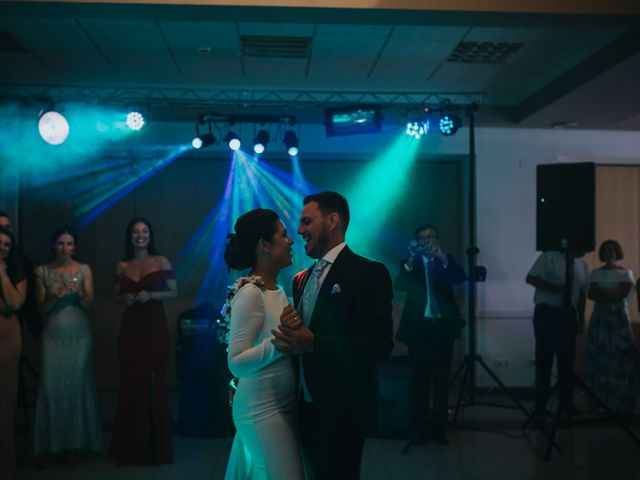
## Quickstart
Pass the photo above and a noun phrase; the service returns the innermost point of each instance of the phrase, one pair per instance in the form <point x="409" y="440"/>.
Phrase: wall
<point x="506" y="208"/>
<point x="179" y="198"/>
<point x="506" y="166"/>
<point x="507" y="162"/>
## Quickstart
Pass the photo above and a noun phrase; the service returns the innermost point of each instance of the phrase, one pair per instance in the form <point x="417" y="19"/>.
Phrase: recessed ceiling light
<point x="563" y="124"/>
<point x="484" y="52"/>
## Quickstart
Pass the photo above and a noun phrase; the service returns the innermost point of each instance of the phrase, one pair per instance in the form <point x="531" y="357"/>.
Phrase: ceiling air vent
<point x="484" y="52"/>
<point x="10" y="44"/>
<point x="275" y="47"/>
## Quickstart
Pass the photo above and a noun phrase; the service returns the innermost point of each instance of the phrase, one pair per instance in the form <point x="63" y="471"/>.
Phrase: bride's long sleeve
<point x="247" y="317"/>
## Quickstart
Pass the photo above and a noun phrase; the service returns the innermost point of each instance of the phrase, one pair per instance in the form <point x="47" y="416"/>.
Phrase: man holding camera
<point x="429" y="325"/>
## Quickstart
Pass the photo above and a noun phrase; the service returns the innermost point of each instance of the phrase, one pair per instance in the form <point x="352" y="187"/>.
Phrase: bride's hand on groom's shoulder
<point x="290" y="318"/>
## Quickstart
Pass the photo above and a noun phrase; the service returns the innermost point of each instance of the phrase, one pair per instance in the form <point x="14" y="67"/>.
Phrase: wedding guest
<point x="28" y="313"/>
<point x="555" y="327"/>
<point x="144" y="279"/>
<point x="430" y="323"/>
<point x="67" y="419"/>
<point x="612" y="357"/>
<point x="13" y="288"/>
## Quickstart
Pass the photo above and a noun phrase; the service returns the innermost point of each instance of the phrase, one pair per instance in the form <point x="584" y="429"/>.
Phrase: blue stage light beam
<point x="113" y="195"/>
<point x="250" y="184"/>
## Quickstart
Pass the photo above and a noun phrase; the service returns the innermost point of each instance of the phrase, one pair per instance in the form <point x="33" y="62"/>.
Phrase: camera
<point x="416" y="249"/>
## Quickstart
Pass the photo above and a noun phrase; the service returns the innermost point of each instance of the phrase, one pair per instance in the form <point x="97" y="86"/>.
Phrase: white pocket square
<point x="336" y="289"/>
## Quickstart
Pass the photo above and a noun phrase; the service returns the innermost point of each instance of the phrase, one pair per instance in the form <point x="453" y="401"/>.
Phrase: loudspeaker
<point x="565" y="214"/>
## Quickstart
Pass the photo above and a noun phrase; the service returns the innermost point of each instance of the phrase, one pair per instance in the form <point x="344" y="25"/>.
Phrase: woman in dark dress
<point x="144" y="279"/>
<point x="13" y="289"/>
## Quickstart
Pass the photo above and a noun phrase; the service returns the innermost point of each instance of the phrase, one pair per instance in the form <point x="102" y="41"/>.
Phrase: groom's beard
<point x="319" y="248"/>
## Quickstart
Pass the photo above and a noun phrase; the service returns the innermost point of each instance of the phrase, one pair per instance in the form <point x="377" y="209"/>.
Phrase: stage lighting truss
<point x="229" y="128"/>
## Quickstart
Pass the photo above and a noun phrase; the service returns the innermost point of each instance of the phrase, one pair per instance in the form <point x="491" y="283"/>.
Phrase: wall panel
<point x="178" y="199"/>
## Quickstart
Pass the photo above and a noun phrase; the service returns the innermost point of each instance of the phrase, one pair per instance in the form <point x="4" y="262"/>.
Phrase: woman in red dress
<point x="144" y="279"/>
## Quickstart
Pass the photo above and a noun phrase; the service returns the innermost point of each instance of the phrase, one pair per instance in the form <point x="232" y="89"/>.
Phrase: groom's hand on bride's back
<point x="293" y="341"/>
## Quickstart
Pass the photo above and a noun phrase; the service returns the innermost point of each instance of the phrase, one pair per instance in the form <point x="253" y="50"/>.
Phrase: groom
<point x="345" y="304"/>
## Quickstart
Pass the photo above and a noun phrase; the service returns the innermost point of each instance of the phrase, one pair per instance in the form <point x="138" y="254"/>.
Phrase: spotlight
<point x="417" y="128"/>
<point x="53" y="127"/>
<point x="232" y="140"/>
<point x="203" y="141"/>
<point x="135" y="120"/>
<point x="449" y="124"/>
<point x="291" y="143"/>
<point x="261" y="141"/>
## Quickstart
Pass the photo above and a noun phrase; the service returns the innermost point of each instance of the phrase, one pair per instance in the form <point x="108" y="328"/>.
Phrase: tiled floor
<point x="491" y="447"/>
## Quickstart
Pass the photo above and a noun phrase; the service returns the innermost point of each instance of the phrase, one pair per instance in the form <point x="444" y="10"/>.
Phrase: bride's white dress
<point x="264" y="407"/>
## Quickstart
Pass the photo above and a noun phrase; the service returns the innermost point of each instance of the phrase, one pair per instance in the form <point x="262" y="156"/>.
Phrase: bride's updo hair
<point x="240" y="252"/>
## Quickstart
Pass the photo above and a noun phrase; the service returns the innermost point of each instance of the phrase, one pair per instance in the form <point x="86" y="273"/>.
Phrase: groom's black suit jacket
<point x="353" y="330"/>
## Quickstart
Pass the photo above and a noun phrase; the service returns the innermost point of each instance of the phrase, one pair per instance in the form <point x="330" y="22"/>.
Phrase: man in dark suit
<point x="429" y="325"/>
<point x="345" y="301"/>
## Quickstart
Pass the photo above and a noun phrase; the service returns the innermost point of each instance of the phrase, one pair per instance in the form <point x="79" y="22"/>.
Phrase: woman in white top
<point x="611" y="367"/>
<point x="264" y="406"/>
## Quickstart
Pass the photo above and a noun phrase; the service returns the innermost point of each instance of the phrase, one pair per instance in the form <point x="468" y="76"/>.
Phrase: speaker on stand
<point x="566" y="204"/>
<point x="565" y="221"/>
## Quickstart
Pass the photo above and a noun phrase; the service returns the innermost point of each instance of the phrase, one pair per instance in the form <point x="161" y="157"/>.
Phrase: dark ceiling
<point x="530" y="70"/>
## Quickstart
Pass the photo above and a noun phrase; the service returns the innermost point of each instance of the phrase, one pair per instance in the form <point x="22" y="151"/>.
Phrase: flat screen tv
<point x="352" y="120"/>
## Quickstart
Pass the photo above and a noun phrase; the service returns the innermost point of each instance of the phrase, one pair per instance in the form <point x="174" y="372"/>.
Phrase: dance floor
<point x="489" y="445"/>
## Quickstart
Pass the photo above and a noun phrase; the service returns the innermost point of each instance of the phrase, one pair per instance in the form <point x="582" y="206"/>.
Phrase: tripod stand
<point x="567" y="321"/>
<point x="468" y="367"/>
<point x="556" y="330"/>
<point x="556" y="418"/>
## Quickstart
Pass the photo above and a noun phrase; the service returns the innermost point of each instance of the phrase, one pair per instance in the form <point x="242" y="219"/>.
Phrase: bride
<point x="264" y="406"/>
